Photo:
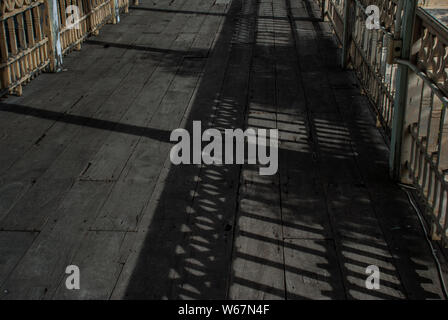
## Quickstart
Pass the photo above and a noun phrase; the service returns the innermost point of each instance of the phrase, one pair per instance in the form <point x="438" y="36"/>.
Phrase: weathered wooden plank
<point x="352" y="213"/>
<point x="304" y="208"/>
<point x="393" y="214"/>
<point x="139" y="176"/>
<point x="103" y="167"/>
<point x="356" y="256"/>
<point x="146" y="159"/>
<point x="108" y="162"/>
<point x="306" y="233"/>
<point x="312" y="270"/>
<point x="211" y="215"/>
<point x="25" y="173"/>
<point x="118" y="101"/>
<point x="52" y="149"/>
<point x="179" y="88"/>
<point x="43" y="266"/>
<point x="406" y="242"/>
<point x="303" y="202"/>
<point x="196" y="230"/>
<point x="100" y="259"/>
<point x="66" y="99"/>
<point x="13" y="245"/>
<point x="257" y="266"/>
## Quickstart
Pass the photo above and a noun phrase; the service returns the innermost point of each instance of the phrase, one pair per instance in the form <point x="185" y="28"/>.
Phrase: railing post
<point x="401" y="90"/>
<point x="115" y="12"/>
<point x="345" y="35"/>
<point x="52" y="30"/>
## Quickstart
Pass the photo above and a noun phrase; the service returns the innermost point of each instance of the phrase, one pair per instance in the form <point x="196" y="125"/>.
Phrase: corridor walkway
<point x="86" y="179"/>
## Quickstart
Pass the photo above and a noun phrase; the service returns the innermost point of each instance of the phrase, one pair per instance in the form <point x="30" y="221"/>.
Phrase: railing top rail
<point x="435" y="25"/>
<point x="9" y="8"/>
<point x="439" y="93"/>
<point x="431" y="49"/>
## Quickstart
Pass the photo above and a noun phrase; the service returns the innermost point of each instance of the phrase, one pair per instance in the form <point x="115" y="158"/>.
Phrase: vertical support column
<point x="52" y="31"/>
<point x="115" y="12"/>
<point x="402" y="82"/>
<point x="345" y="35"/>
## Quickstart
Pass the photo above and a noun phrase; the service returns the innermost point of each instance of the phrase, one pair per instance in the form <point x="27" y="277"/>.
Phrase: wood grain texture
<point x="86" y="179"/>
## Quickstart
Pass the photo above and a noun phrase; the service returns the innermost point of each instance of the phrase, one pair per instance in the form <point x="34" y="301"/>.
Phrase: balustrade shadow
<point x="335" y="217"/>
<point x="188" y="250"/>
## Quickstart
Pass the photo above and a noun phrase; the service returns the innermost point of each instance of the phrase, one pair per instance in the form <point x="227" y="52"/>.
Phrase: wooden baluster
<point x="77" y="30"/>
<point x="5" y="71"/>
<point x="73" y="31"/>
<point x="63" y="20"/>
<point x="42" y="52"/>
<point x="23" y="62"/>
<point x="15" y="67"/>
<point x="31" y="42"/>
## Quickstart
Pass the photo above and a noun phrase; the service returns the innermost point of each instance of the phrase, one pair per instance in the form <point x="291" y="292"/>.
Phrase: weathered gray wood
<point x="170" y="216"/>
<point x="391" y="210"/>
<point x="144" y="165"/>
<point x="100" y="260"/>
<point x="13" y="246"/>
<point x="257" y="266"/>
<point x="353" y="217"/>
<point x="54" y="142"/>
<point x="37" y="160"/>
<point x="16" y="218"/>
<point x="108" y="162"/>
<point x="43" y="266"/>
<point x="100" y="188"/>
<point x="312" y="270"/>
<point x="168" y="94"/>
<point x="64" y="96"/>
<point x="356" y="256"/>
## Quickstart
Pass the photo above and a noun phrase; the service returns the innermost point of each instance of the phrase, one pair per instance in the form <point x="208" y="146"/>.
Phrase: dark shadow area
<point x="105" y="44"/>
<point x="161" y="135"/>
<point x="307" y="232"/>
<point x="196" y="210"/>
<point x="207" y="238"/>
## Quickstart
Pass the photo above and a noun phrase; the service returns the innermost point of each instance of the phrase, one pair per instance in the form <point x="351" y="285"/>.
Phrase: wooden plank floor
<point x="85" y="175"/>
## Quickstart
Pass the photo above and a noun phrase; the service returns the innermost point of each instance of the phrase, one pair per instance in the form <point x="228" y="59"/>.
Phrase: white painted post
<point x="402" y="82"/>
<point x="115" y="12"/>
<point x="52" y="30"/>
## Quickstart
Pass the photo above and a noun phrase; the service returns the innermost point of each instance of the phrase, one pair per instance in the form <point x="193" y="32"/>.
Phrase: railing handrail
<point x="409" y="91"/>
<point x="439" y="93"/>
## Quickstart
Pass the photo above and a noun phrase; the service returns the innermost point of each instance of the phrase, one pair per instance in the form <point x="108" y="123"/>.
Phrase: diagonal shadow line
<point x="106" y="44"/>
<point x="267" y="289"/>
<point x="157" y="134"/>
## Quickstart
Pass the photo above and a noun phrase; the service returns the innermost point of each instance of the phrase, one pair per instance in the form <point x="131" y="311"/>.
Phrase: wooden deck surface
<point x="85" y="175"/>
